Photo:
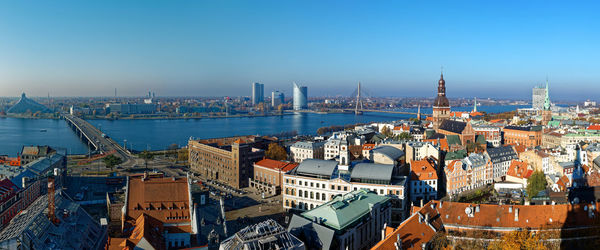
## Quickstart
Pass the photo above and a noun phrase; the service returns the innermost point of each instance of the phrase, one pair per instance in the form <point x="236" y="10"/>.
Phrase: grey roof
<point x="389" y="151"/>
<point x="453" y="126"/>
<point x="78" y="230"/>
<point x="524" y="128"/>
<point x="314" y="235"/>
<point x="27" y="105"/>
<point x="372" y="171"/>
<point x="317" y="167"/>
<point x="597" y="161"/>
<point x="569" y="164"/>
<point x="502" y="154"/>
<point x="308" y="144"/>
<point x="476" y="160"/>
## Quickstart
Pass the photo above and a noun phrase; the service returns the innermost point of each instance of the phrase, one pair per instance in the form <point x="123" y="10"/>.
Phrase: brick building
<point x="463" y="129"/>
<point x="268" y="175"/>
<point x="529" y="136"/>
<point x="227" y="160"/>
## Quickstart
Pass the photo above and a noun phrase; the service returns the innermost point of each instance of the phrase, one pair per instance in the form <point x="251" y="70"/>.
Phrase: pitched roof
<point x="519" y="169"/>
<point x="423" y="170"/>
<point x="443" y="143"/>
<point x="368" y="146"/>
<point x="419" y="228"/>
<point x="594" y="127"/>
<point x="501" y="154"/>
<point x="453" y="126"/>
<point x="276" y="165"/>
<point x="165" y="199"/>
<point x="453" y="140"/>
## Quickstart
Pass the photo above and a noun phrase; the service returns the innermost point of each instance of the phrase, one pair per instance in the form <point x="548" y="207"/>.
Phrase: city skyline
<point x="217" y="49"/>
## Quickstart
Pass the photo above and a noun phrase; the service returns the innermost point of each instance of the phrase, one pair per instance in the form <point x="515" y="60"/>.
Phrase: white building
<point x="423" y="180"/>
<point x="302" y="150"/>
<point x="416" y="151"/>
<point x="315" y="182"/>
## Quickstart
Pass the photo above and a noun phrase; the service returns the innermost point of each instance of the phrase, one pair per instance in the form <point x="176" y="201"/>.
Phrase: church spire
<point x="475" y="105"/>
<point x="547" y="98"/>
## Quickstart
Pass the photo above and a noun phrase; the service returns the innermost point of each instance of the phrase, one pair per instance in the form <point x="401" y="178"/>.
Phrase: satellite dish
<point x="468" y="210"/>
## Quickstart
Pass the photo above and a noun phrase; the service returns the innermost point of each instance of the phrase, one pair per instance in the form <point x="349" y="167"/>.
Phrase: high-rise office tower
<point x="277" y="98"/>
<point x="258" y="93"/>
<point x="300" y="97"/>
<point x="538" y="97"/>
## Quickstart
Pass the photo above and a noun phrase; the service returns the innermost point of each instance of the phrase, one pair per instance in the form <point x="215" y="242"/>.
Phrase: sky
<point x="497" y="49"/>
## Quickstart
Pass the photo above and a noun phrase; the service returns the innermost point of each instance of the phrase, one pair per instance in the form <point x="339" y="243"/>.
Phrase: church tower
<point x="441" y="105"/>
<point x="546" y="112"/>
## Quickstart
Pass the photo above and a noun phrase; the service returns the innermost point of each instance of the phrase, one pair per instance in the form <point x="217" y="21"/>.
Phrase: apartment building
<point x="424" y="179"/>
<point x="501" y="158"/>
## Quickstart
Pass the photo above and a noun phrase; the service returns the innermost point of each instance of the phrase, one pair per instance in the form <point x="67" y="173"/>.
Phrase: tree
<point x="404" y="136"/>
<point x="147" y="156"/>
<point x="182" y="154"/>
<point x="111" y="161"/>
<point x="386" y="131"/>
<point x="276" y="152"/>
<point x="536" y="183"/>
<point x="517" y="240"/>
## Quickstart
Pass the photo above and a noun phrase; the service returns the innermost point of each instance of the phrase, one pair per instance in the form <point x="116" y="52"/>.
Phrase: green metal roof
<point x="453" y="139"/>
<point x="456" y="155"/>
<point x="346" y="209"/>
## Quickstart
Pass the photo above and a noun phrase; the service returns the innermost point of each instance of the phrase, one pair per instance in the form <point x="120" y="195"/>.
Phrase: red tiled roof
<point x="403" y="127"/>
<point x="443" y="143"/>
<point x="276" y="165"/>
<point x="594" y="127"/>
<point x="368" y="146"/>
<point x="165" y="199"/>
<point x="499" y="218"/>
<point x="498" y="121"/>
<point x="423" y="170"/>
<point x="519" y="169"/>
<point x="414" y="231"/>
<point x="147" y="228"/>
<point x="476" y="114"/>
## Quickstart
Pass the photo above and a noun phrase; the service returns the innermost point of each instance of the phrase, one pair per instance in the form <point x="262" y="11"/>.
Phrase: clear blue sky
<point x="487" y="48"/>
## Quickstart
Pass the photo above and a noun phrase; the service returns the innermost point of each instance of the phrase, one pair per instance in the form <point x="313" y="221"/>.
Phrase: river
<point x="159" y="134"/>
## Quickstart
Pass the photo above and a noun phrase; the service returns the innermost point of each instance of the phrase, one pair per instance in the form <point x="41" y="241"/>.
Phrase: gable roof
<point x="165" y="199"/>
<point x="276" y="165"/>
<point x="418" y="229"/>
<point x="519" y="170"/>
<point x="453" y="126"/>
<point x="423" y="170"/>
<point x="501" y="154"/>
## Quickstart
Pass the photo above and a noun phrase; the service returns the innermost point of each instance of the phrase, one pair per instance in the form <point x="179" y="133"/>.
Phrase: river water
<point x="159" y="134"/>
